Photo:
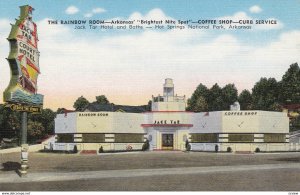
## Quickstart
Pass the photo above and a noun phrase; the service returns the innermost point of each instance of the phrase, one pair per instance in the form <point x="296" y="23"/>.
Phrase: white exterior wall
<point x="168" y="106"/>
<point x="94" y="122"/>
<point x="259" y="122"/>
<point x="99" y="122"/>
<point x="181" y="135"/>
<point x="273" y="122"/>
<point x="239" y="123"/>
<point x="252" y="122"/>
<point x="66" y="123"/>
<point x="127" y="123"/>
<point x="153" y="138"/>
<point x="206" y="123"/>
<point x="214" y="122"/>
<point x="221" y="122"/>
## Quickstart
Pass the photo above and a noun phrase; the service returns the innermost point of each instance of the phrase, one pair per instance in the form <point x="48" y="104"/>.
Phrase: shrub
<point x="188" y="148"/>
<point x="187" y="145"/>
<point x="216" y="148"/>
<point x="75" y="149"/>
<point x="146" y="145"/>
<point x="257" y="150"/>
<point x="229" y="149"/>
<point x="100" y="150"/>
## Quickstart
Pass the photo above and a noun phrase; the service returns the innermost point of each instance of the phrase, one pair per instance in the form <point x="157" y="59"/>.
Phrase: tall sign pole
<point x="21" y="94"/>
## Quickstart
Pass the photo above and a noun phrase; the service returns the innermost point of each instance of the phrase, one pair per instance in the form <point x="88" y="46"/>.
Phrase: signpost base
<point x="24" y="147"/>
<point x="24" y="161"/>
<point x="23" y="170"/>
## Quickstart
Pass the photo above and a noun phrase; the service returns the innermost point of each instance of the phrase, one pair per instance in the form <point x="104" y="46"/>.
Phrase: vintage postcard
<point x="141" y="95"/>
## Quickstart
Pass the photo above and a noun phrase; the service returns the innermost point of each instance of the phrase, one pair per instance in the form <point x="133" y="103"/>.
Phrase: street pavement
<point x="155" y="171"/>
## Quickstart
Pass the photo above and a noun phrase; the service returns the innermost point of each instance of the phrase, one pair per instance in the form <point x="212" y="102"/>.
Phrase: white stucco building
<point x="168" y="125"/>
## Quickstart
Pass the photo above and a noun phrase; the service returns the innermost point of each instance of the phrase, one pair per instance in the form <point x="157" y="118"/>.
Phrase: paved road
<point x="157" y="171"/>
<point x="255" y="180"/>
<point x="48" y="162"/>
<point x="82" y="175"/>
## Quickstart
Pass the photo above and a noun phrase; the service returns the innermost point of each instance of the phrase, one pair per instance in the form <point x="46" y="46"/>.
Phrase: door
<point x="167" y="141"/>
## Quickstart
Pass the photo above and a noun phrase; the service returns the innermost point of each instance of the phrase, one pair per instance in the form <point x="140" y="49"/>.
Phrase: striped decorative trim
<point x="109" y="139"/>
<point x="109" y="135"/>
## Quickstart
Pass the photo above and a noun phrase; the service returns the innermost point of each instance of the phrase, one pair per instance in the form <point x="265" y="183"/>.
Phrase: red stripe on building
<point x="167" y="125"/>
<point x="168" y="111"/>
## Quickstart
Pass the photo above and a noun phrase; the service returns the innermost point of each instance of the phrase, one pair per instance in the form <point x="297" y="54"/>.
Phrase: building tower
<point x="169" y="101"/>
<point x="168" y="88"/>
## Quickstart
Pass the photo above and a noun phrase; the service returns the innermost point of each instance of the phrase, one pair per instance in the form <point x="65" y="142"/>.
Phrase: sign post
<point x="21" y="94"/>
<point x="24" y="146"/>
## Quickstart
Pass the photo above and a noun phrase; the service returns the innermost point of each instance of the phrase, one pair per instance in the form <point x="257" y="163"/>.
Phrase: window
<point x="241" y="138"/>
<point x="204" y="137"/>
<point x="65" y="138"/>
<point x="274" y="137"/>
<point x="129" y="138"/>
<point x="93" y="138"/>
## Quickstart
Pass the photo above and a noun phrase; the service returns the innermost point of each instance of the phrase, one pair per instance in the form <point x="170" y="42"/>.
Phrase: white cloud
<point x="94" y="11"/>
<point x="154" y="14"/>
<point x="4" y="48"/>
<point x="255" y="9"/>
<point x="72" y="10"/>
<point x="47" y="31"/>
<point x="4" y="30"/>
<point x="98" y="10"/>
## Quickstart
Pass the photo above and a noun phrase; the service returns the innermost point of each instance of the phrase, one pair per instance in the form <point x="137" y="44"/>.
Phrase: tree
<point x="215" y="101"/>
<point x="245" y="100"/>
<point x="46" y="118"/>
<point x="290" y="86"/>
<point x="101" y="99"/>
<point x="80" y="103"/>
<point x="201" y="90"/>
<point x="229" y="96"/>
<point x="295" y="124"/>
<point x="35" y="131"/>
<point x="265" y="94"/>
<point x="60" y="110"/>
<point x="200" y="105"/>
<point x="10" y="123"/>
<point x="149" y="105"/>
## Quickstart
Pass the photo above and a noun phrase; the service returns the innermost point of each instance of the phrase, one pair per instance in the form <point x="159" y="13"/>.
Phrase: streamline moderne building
<point x="168" y="126"/>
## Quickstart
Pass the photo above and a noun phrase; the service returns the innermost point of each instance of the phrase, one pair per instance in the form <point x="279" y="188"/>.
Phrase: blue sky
<point x="122" y="63"/>
<point x="285" y="11"/>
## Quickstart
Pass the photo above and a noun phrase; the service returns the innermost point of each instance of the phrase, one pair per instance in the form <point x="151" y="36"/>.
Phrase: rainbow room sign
<point x="23" y="60"/>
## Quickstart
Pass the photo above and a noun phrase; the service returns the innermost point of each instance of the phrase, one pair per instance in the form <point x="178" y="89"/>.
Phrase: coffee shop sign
<point x="240" y="113"/>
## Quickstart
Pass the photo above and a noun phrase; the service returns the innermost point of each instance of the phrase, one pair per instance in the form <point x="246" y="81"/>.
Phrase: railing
<point x="295" y="133"/>
<point x="168" y="99"/>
